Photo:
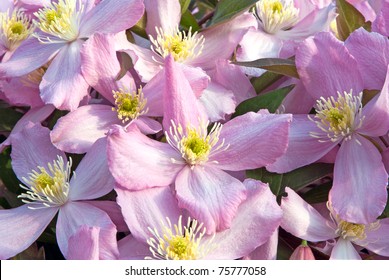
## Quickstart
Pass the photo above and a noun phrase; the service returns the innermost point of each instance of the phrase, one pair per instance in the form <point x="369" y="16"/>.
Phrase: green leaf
<point x="317" y="194"/>
<point x="273" y="179"/>
<point x="227" y="9"/>
<point x="8" y="118"/>
<point x="385" y="213"/>
<point x="264" y="81"/>
<point x="140" y="27"/>
<point x="6" y="173"/>
<point x="184" y="5"/>
<point x="271" y="101"/>
<point x="349" y="19"/>
<point x="281" y="66"/>
<point x="188" y="20"/>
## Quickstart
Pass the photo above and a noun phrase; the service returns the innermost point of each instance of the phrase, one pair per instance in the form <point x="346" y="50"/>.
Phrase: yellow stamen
<point x="129" y="105"/>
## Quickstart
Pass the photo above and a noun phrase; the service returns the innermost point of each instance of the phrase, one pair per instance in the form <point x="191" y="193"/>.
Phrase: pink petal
<point x="132" y="249"/>
<point x="377" y="240"/>
<point x="19" y="93"/>
<point x="114" y="212"/>
<point x="259" y="215"/>
<point x="137" y="162"/>
<point x="228" y="34"/>
<point x="303" y="148"/>
<point x="210" y="195"/>
<point x="361" y="44"/>
<point x="254" y="139"/>
<point x="196" y="77"/>
<point x="325" y="67"/>
<point x="164" y="14"/>
<point x="304" y="221"/>
<point x="381" y="24"/>
<point x="93" y="178"/>
<point x="31" y="148"/>
<point x="298" y="101"/>
<point x="30" y="55"/>
<point x="73" y="215"/>
<point x="179" y="101"/>
<point x="20" y="227"/>
<point x="84" y="244"/>
<point x="344" y="250"/>
<point x="111" y="16"/>
<point x="93" y="122"/>
<point x="147" y="125"/>
<point x="267" y="251"/>
<point x="147" y="209"/>
<point x="63" y="85"/>
<point x="100" y="66"/>
<point x="355" y="196"/>
<point x="377" y="109"/>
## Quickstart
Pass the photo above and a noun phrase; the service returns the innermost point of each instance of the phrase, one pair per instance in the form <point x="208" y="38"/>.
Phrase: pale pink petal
<point x="254" y="139"/>
<point x="179" y="101"/>
<point x="20" y="227"/>
<point x="132" y="249"/>
<point x="100" y="66"/>
<point x="326" y="67"/>
<point x="304" y="221"/>
<point x="377" y="240"/>
<point x="377" y="109"/>
<point x="356" y="196"/>
<point x="381" y="24"/>
<point x="146" y="63"/>
<point x="256" y="220"/>
<point x="63" y="84"/>
<point x="303" y="148"/>
<point x="147" y="209"/>
<point x="111" y="16"/>
<point x="34" y="115"/>
<point x="196" y="77"/>
<point x="30" y="55"/>
<point x="114" y="212"/>
<point x="210" y="195"/>
<point x="148" y="125"/>
<point x="84" y="244"/>
<point x="217" y="101"/>
<point x="363" y="45"/>
<point x="298" y="101"/>
<point x="232" y="77"/>
<point x="228" y="34"/>
<point x="267" y="251"/>
<point x="93" y="178"/>
<point x="93" y="122"/>
<point x="366" y="8"/>
<point x="137" y="162"/>
<point x="164" y="14"/>
<point x="31" y="148"/>
<point x="21" y="93"/>
<point x="75" y="214"/>
<point x="344" y="250"/>
<point x="6" y="5"/>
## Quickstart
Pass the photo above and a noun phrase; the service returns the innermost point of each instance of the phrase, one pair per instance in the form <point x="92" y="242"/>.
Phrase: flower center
<point x="14" y="29"/>
<point x="129" y="105"/>
<point x="353" y="231"/>
<point x="196" y="144"/>
<point x="338" y="118"/>
<point x="47" y="188"/>
<point x="276" y="15"/>
<point x="61" y="20"/>
<point x="179" y="243"/>
<point x="180" y="45"/>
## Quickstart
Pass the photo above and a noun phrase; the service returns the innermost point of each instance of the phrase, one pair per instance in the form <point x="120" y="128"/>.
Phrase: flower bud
<point x="302" y="252"/>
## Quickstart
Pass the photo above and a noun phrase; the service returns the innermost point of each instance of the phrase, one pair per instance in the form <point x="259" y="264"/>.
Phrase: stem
<point x="205" y="18"/>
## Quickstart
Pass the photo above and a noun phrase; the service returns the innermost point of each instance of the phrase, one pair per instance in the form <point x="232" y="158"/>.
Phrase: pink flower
<point x="194" y="159"/>
<point x="305" y="222"/>
<point x="45" y="173"/>
<point x="60" y="41"/>
<point x="154" y="217"/>
<point x="330" y="74"/>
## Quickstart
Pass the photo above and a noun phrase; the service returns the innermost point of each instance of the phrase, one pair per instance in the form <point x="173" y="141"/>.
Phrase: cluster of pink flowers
<point x="130" y="144"/>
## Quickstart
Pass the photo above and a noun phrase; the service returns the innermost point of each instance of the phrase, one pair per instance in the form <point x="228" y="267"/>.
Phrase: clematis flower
<point x="61" y="30"/>
<point x="155" y="219"/>
<point x="128" y="104"/>
<point x="330" y="74"/>
<point x="281" y="21"/>
<point x="193" y="158"/>
<point x="48" y="189"/>
<point x="305" y="222"/>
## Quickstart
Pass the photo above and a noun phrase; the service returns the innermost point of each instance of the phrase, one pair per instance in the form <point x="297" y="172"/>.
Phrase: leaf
<point x="140" y="27"/>
<point x="273" y="179"/>
<point x="271" y="101"/>
<point x="188" y="20"/>
<point x="31" y="253"/>
<point x="184" y="5"/>
<point x="227" y="9"/>
<point x="281" y="66"/>
<point x="317" y="194"/>
<point x="385" y="213"/>
<point x="264" y="81"/>
<point x="6" y="173"/>
<point x="349" y="19"/>
<point x="8" y="118"/>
